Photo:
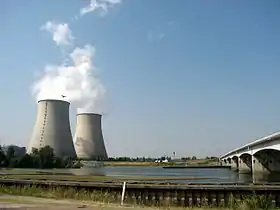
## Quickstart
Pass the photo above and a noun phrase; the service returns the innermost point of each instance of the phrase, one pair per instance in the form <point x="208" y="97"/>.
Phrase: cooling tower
<point x="89" y="143"/>
<point x="52" y="128"/>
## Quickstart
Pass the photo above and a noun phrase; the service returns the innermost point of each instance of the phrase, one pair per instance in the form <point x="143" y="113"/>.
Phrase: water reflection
<point x="209" y="175"/>
<point x="206" y="175"/>
<point x="88" y="171"/>
<point x="244" y="177"/>
<point x="258" y="177"/>
<point x="262" y="177"/>
<point x="218" y="175"/>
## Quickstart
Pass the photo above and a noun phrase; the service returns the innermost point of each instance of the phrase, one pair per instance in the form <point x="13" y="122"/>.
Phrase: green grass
<point x="58" y="193"/>
<point x="247" y="203"/>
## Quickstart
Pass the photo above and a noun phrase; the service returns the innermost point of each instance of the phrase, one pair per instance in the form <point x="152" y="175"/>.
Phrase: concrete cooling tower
<point x="52" y="128"/>
<point x="89" y="143"/>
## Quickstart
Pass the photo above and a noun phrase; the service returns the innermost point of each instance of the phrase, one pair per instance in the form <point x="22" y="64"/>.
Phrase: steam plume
<point x="62" y="35"/>
<point x="76" y="77"/>
<point x="99" y="4"/>
<point x="79" y="82"/>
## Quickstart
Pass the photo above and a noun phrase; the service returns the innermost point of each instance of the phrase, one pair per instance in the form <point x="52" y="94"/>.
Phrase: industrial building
<point x="89" y="142"/>
<point x="52" y="128"/>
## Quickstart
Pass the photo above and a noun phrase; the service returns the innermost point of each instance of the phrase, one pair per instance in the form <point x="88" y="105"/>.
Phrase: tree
<point x="185" y="158"/>
<point x="10" y="153"/>
<point x="35" y="151"/>
<point x="2" y="156"/>
<point x="26" y="161"/>
<point x="39" y="158"/>
<point x="46" y="155"/>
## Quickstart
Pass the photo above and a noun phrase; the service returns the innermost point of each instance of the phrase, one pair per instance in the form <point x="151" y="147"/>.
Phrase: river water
<point x="219" y="175"/>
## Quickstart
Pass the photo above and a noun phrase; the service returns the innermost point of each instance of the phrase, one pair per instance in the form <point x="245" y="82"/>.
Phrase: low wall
<point x="164" y="194"/>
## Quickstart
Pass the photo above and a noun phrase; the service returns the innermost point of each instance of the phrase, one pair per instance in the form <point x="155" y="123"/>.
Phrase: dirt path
<point x="22" y="202"/>
<point x="32" y="203"/>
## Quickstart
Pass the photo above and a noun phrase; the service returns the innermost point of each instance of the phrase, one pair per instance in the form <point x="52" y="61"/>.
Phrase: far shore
<point x="136" y="163"/>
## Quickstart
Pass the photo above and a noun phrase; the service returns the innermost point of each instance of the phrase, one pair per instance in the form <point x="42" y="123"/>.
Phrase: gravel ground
<point x="22" y="202"/>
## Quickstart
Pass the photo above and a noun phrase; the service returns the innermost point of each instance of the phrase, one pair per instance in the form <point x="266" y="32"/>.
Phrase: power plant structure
<point x="89" y="143"/>
<point x="52" y="128"/>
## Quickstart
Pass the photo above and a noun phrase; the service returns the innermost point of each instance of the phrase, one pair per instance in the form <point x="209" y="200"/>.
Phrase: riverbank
<point x="128" y="163"/>
<point x="205" y="162"/>
<point x="67" y="198"/>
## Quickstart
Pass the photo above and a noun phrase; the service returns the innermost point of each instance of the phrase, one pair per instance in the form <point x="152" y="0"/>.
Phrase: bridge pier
<point x="245" y="163"/>
<point x="266" y="161"/>
<point x="224" y="162"/>
<point x="235" y="163"/>
<point x="260" y="165"/>
<point x="229" y="161"/>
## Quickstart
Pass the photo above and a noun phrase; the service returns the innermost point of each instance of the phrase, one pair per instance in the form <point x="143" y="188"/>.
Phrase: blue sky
<point x="195" y="77"/>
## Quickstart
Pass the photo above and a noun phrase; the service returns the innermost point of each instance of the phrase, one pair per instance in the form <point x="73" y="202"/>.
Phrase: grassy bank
<point x="207" y="162"/>
<point x="248" y="203"/>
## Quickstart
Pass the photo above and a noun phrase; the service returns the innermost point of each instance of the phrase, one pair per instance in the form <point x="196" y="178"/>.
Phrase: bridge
<point x="261" y="155"/>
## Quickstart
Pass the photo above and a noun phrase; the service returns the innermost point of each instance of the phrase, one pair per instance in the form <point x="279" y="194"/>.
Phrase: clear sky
<point x="195" y="77"/>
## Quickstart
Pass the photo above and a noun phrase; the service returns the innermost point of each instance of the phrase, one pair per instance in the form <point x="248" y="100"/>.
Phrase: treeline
<point x="42" y="158"/>
<point x="195" y="158"/>
<point x="137" y="159"/>
<point x="149" y="159"/>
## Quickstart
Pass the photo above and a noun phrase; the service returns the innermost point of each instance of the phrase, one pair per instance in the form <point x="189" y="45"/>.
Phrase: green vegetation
<point x="135" y="163"/>
<point x="204" y="162"/>
<point x="127" y="161"/>
<point x="42" y="158"/>
<point x="173" y="163"/>
<point x="150" y="159"/>
<point x="59" y="193"/>
<point x="246" y="203"/>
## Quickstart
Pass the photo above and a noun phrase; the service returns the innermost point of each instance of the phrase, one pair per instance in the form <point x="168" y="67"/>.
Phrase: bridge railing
<point x="272" y="136"/>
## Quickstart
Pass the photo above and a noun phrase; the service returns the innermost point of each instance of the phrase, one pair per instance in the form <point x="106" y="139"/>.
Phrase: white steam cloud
<point x="79" y="82"/>
<point x="76" y="79"/>
<point x="99" y="4"/>
<point x="62" y="35"/>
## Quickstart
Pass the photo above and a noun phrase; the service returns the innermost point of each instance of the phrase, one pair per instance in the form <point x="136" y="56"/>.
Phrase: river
<point x="219" y="175"/>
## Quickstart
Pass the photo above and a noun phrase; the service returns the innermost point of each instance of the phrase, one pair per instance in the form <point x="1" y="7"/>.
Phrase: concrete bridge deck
<point x="262" y="155"/>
